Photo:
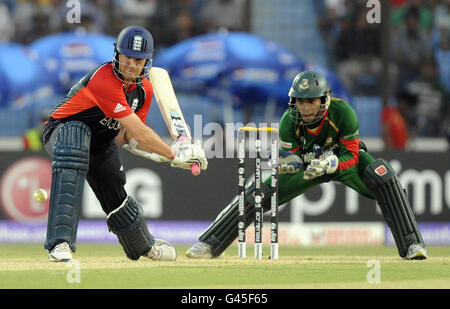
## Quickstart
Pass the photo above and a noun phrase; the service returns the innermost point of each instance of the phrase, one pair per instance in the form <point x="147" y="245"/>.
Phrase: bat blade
<point x="170" y="108"/>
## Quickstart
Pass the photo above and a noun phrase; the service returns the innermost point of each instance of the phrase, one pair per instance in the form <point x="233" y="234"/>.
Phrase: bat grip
<point x="195" y="169"/>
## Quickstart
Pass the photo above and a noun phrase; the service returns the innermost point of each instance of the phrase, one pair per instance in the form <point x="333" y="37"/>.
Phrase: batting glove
<point x="187" y="154"/>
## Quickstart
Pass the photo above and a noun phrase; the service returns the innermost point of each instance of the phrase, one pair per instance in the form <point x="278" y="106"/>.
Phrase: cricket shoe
<point x="416" y="252"/>
<point x="200" y="250"/>
<point x="162" y="251"/>
<point x="61" y="253"/>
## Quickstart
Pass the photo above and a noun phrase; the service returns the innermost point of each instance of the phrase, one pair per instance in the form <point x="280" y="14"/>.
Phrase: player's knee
<point x="378" y="173"/>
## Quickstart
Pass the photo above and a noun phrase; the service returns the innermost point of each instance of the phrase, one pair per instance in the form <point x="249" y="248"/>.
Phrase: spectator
<point x="173" y="22"/>
<point x="228" y="14"/>
<point x="92" y="17"/>
<point x="357" y="51"/>
<point x="442" y="15"/>
<point x="36" y="20"/>
<point x="7" y="27"/>
<point x="432" y="101"/>
<point x="442" y="56"/>
<point x="331" y="24"/>
<point x="425" y="15"/>
<point x="394" y="128"/>
<point x="407" y="106"/>
<point x="135" y="12"/>
<point x="399" y="123"/>
<point x="411" y="46"/>
<point x="32" y="138"/>
<point x="398" y="3"/>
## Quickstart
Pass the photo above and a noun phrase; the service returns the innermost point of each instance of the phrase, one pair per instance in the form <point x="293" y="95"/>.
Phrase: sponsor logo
<point x="110" y="123"/>
<point x="286" y="145"/>
<point x="17" y="186"/>
<point x="119" y="108"/>
<point x="381" y="170"/>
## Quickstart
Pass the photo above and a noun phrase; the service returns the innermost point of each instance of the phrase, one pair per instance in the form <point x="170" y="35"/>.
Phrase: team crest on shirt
<point x="304" y="84"/>
<point x="328" y="141"/>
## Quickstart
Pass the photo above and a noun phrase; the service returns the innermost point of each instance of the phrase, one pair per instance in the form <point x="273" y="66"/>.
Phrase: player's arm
<point x="143" y="137"/>
<point x="147" y="143"/>
<point x="120" y="138"/>
<point x="289" y="161"/>
<point x="348" y="139"/>
<point x="288" y="135"/>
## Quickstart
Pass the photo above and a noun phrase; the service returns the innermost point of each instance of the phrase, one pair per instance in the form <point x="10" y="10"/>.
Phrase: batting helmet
<point x="135" y="42"/>
<point x="309" y="85"/>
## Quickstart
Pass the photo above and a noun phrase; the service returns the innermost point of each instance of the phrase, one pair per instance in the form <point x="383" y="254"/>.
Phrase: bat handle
<point x="195" y="169"/>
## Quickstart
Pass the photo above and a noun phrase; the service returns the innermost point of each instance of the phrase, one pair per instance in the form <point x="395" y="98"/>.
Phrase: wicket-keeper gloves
<point x="289" y="163"/>
<point x="326" y="164"/>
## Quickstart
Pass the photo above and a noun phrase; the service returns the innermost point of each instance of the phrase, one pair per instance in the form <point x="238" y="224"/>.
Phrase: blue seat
<point x="368" y="110"/>
<point x="13" y="123"/>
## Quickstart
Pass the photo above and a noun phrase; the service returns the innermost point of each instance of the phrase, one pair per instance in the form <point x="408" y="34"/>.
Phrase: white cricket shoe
<point x="61" y="253"/>
<point x="200" y="250"/>
<point x="162" y="251"/>
<point x="416" y="252"/>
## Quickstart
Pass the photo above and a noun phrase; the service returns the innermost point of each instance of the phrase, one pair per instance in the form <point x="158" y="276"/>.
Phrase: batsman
<point x="320" y="143"/>
<point x="107" y="109"/>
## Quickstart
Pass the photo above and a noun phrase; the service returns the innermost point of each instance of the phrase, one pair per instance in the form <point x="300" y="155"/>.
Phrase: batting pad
<point x="224" y="230"/>
<point x="395" y="207"/>
<point x="69" y="169"/>
<point x="128" y="223"/>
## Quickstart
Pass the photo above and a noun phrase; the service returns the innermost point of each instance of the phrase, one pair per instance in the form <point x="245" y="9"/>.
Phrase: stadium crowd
<point x="419" y="65"/>
<point x="420" y="43"/>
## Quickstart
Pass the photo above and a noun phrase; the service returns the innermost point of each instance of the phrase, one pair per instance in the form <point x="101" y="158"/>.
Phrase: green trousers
<point x="292" y="185"/>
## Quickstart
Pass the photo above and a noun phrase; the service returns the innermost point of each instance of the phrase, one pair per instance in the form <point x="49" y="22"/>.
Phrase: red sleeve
<point x="108" y="92"/>
<point x="148" y="88"/>
<point x="353" y="148"/>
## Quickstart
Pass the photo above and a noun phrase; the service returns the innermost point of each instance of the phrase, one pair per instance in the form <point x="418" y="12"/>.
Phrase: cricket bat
<point x="170" y="109"/>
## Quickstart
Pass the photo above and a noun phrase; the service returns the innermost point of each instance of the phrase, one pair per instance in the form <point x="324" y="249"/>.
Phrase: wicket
<point x="273" y="163"/>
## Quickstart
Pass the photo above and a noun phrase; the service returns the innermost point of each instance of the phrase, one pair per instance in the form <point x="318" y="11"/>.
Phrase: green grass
<point x="105" y="266"/>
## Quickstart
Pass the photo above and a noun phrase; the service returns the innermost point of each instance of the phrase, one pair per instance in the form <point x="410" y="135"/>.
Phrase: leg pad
<point x="128" y="223"/>
<point x="69" y="168"/>
<point x="224" y="230"/>
<point x="395" y="207"/>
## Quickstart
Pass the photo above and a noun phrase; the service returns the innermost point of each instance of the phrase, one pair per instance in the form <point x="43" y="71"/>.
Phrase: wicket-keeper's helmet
<point x="134" y="42"/>
<point x="309" y="85"/>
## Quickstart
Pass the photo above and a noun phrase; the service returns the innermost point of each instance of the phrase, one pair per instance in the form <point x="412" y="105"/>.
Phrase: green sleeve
<point x="288" y="134"/>
<point x="347" y="123"/>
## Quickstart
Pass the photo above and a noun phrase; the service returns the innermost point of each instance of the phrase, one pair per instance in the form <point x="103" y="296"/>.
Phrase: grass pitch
<point x="106" y="266"/>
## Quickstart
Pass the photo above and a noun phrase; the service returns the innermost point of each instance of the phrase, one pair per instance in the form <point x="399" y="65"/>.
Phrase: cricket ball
<point x="40" y="195"/>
